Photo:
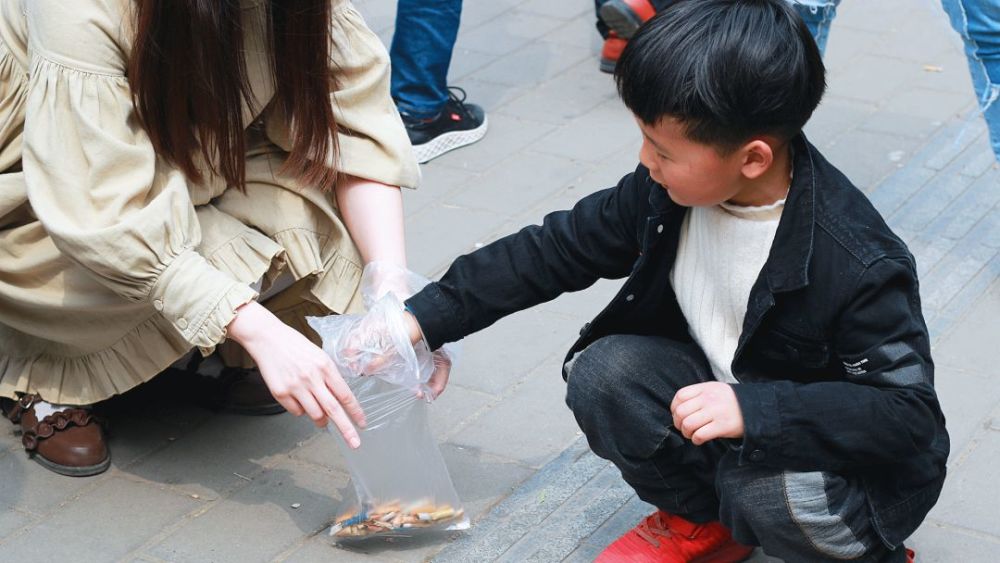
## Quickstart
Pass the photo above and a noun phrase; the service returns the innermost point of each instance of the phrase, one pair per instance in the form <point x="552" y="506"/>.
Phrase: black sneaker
<point x="457" y="125"/>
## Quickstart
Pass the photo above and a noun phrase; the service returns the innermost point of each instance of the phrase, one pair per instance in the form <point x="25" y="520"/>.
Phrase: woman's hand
<point x="298" y="373"/>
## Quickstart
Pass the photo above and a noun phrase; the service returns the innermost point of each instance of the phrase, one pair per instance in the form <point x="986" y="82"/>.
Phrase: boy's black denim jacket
<point x="834" y="359"/>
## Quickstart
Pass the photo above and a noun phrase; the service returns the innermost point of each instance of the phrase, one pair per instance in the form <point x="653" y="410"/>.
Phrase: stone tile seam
<point x="981" y="431"/>
<point x="958" y="528"/>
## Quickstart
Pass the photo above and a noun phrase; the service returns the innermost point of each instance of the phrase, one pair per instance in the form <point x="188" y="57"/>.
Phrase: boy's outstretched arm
<point x="885" y="410"/>
<point x="598" y="238"/>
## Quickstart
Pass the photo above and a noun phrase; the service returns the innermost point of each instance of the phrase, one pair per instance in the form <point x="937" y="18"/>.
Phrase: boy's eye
<point x="663" y="156"/>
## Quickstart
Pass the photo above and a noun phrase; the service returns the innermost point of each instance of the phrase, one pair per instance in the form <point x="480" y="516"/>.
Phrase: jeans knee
<point x="588" y="378"/>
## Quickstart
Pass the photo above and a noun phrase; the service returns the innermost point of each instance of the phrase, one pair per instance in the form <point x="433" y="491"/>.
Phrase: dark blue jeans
<point x="620" y="389"/>
<point x="421" y="54"/>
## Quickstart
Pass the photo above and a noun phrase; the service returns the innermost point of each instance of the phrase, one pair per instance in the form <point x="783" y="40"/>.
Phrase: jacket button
<point x="659" y="228"/>
<point x="629" y="297"/>
<point x="583" y="330"/>
<point x="182" y="323"/>
<point x="158" y="305"/>
<point x="757" y="455"/>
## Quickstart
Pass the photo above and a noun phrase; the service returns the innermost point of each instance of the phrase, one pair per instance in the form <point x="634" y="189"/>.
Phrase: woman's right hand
<point x="302" y="377"/>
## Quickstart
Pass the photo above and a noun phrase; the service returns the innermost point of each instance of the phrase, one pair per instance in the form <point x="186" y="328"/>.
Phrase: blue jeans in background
<point x="421" y="54"/>
<point x="978" y="22"/>
<point x="818" y="15"/>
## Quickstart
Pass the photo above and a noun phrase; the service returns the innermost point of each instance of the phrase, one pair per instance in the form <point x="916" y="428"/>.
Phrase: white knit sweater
<point x="720" y="254"/>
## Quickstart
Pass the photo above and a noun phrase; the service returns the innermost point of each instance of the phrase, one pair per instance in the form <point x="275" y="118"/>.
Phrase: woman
<point x="162" y="163"/>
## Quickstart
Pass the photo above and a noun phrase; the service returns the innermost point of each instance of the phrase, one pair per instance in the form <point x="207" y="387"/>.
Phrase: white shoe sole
<point x="448" y="142"/>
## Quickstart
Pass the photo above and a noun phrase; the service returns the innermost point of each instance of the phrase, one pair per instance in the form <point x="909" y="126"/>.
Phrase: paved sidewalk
<point x="191" y="485"/>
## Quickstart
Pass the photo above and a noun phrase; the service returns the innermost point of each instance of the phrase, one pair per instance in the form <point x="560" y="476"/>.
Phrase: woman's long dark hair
<point x="189" y="83"/>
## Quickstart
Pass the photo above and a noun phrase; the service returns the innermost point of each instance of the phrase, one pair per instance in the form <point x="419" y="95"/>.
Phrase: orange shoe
<point x="625" y="16"/>
<point x="911" y="555"/>
<point x="665" y="538"/>
<point x="613" y="47"/>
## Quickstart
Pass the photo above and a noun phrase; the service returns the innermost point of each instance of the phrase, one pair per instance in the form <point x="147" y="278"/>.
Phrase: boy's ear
<point x="758" y="156"/>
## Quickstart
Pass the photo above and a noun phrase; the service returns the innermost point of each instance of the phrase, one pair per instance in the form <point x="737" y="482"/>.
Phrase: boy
<point x="764" y="375"/>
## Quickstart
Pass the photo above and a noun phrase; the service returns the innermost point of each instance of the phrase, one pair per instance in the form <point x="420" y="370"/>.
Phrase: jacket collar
<point x="787" y="265"/>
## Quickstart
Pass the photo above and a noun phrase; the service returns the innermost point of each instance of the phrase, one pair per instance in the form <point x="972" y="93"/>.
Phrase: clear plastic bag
<point x="402" y="486"/>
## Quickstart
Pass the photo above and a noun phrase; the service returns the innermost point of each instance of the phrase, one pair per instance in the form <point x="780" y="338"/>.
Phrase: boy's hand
<point x="706" y="411"/>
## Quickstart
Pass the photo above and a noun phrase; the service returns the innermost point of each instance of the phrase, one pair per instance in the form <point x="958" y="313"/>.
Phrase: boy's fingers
<point x="685" y="408"/>
<point x="694" y="422"/>
<point x="708" y="432"/>
<point x="684" y="394"/>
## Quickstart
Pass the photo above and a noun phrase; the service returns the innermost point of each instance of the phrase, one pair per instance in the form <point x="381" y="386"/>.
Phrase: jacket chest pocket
<point x="786" y="347"/>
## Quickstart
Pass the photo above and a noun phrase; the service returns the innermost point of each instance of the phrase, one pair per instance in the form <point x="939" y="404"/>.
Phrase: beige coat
<point x="112" y="264"/>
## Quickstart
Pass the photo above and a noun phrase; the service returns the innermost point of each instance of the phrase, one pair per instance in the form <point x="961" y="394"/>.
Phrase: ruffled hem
<point x="330" y="285"/>
<point x="143" y="352"/>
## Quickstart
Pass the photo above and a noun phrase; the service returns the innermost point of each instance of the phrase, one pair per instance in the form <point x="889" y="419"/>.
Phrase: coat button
<point x="629" y="297"/>
<point x="659" y="228"/>
<point x="584" y="329"/>
<point x="757" y="456"/>
<point x="158" y="305"/>
<point x="182" y="323"/>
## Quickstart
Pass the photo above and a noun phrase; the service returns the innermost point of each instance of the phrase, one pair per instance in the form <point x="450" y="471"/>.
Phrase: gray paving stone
<point x="953" y="273"/>
<point x="565" y="9"/>
<point x="972" y="344"/>
<point x="836" y="116"/>
<point x="559" y="534"/>
<point x="491" y="96"/>
<point x="507" y="32"/>
<point x="504" y="354"/>
<point x="872" y="78"/>
<point x="956" y="138"/>
<point x="621" y="521"/>
<point x="204" y="463"/>
<point x="896" y="190"/>
<point x="103" y="525"/>
<point x="435" y="182"/>
<point x="612" y="120"/>
<point x="533" y="64"/>
<point x="322" y="450"/>
<point x="901" y="124"/>
<point x="478" y="13"/>
<point x="867" y="158"/>
<point x="518" y="183"/>
<point x="936" y="543"/>
<point x="435" y="236"/>
<point x="987" y="230"/>
<point x="963" y="302"/>
<point x="540" y="397"/>
<point x="579" y="32"/>
<point x="320" y="549"/>
<point x="12" y="520"/>
<point x="482" y="479"/>
<point x="929" y="201"/>
<point x="967" y="399"/>
<point x="456" y="408"/>
<point x="970" y="480"/>
<point x="25" y="485"/>
<point x="259" y="522"/>
<point x="526" y="507"/>
<point x="465" y="61"/>
<point x="845" y="44"/>
<point x="493" y="154"/>
<point x="575" y="93"/>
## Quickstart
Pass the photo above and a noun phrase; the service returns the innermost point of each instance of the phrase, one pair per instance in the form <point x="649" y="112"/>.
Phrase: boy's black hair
<point x="726" y="69"/>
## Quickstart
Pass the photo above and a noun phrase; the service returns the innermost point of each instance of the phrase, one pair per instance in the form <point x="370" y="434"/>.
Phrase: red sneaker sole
<point x="730" y="554"/>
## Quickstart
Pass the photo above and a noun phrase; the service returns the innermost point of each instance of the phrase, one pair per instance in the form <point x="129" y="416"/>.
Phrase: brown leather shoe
<point x="243" y="391"/>
<point x="68" y="442"/>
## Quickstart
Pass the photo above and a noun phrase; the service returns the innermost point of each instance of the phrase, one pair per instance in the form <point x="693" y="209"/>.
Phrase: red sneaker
<point x="625" y="16"/>
<point x="665" y="538"/>
<point x="911" y="555"/>
<point x="613" y="47"/>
